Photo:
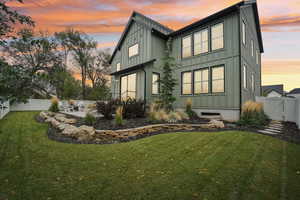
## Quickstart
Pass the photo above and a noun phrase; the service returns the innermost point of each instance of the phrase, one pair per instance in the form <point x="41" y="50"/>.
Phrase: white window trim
<point x="136" y="53"/>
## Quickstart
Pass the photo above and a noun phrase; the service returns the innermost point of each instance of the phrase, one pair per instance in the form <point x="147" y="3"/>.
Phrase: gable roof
<point x="166" y="32"/>
<point x="269" y="88"/>
<point x="223" y="12"/>
<point x="295" y="91"/>
<point x="162" y="30"/>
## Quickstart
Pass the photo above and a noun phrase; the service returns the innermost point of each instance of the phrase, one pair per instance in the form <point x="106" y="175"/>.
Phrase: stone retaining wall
<point x="87" y="134"/>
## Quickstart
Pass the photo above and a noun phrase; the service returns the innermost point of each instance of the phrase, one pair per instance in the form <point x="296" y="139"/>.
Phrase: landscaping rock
<point x="70" y="130"/>
<point x="87" y="129"/>
<point x="216" y="123"/>
<point x="43" y="115"/>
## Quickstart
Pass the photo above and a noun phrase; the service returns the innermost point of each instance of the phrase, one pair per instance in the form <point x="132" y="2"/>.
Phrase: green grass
<point x="224" y="165"/>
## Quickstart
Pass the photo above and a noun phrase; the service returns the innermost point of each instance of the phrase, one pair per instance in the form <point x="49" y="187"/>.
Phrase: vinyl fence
<point x="4" y="108"/>
<point x="282" y="108"/>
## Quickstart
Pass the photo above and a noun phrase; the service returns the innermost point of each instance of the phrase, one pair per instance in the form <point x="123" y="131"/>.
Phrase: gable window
<point x="118" y="66"/>
<point x="252" y="82"/>
<point x="155" y="83"/>
<point x="201" y="42"/>
<point x="128" y="86"/>
<point x="187" y="46"/>
<point x="217" y="79"/>
<point x="252" y="48"/>
<point x="257" y="57"/>
<point x="133" y="50"/>
<point x="217" y="36"/>
<point x="186" y="82"/>
<point x="244" y="33"/>
<point x="245" y="76"/>
<point x="201" y="81"/>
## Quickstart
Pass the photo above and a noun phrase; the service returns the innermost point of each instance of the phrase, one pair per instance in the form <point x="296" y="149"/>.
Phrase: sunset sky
<point x="105" y="20"/>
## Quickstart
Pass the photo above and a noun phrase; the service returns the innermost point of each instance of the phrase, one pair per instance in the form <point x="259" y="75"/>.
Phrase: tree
<point x="82" y="48"/>
<point x="32" y="57"/>
<point x="167" y="82"/>
<point x="8" y="18"/>
<point x="98" y="68"/>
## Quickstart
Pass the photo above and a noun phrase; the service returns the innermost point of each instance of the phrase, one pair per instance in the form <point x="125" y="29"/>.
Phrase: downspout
<point x="144" y="83"/>
<point x="240" y="59"/>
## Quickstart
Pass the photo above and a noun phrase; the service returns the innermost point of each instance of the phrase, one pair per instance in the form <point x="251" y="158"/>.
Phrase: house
<point x="218" y="57"/>
<point x="272" y="90"/>
<point x="294" y="93"/>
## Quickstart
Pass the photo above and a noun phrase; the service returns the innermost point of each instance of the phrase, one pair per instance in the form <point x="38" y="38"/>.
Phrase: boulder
<point x="70" y="121"/>
<point x="43" y="115"/>
<point x="55" y="123"/>
<point x="70" y="130"/>
<point x="87" y="130"/>
<point x="216" y="123"/>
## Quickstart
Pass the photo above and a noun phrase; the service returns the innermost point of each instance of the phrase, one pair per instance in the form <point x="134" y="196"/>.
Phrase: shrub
<point x="54" y="105"/>
<point x="189" y="111"/>
<point x="253" y="115"/>
<point x="183" y="115"/>
<point x="119" y="116"/>
<point x="106" y="108"/>
<point x="133" y="108"/>
<point x="89" y="119"/>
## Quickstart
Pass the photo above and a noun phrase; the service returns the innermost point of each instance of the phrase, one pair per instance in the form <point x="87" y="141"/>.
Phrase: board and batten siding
<point x="228" y="56"/>
<point x="247" y="16"/>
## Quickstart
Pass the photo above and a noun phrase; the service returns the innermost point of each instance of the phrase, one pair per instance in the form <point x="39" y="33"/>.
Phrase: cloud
<point x="281" y="23"/>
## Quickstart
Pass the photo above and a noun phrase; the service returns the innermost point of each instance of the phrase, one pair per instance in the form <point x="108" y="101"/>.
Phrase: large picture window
<point x="201" y="81"/>
<point x="128" y="86"/>
<point x="155" y="83"/>
<point x="217" y="36"/>
<point x="201" y="42"/>
<point x="187" y="46"/>
<point x="217" y="79"/>
<point x="133" y="50"/>
<point x="186" y="83"/>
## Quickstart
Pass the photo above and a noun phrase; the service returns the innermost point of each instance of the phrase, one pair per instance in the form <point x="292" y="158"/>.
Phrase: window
<point x="133" y="50"/>
<point x="217" y="37"/>
<point x="252" y="82"/>
<point x="201" y="81"/>
<point x="217" y="76"/>
<point x="187" y="46"/>
<point x="128" y="86"/>
<point x="245" y="76"/>
<point x="257" y="57"/>
<point x="186" y="83"/>
<point x="118" y="66"/>
<point x="252" y="48"/>
<point x="244" y="33"/>
<point x="155" y="83"/>
<point x="201" y="42"/>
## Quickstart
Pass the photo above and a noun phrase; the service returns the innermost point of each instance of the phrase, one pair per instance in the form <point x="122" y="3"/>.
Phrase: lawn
<point x="223" y="165"/>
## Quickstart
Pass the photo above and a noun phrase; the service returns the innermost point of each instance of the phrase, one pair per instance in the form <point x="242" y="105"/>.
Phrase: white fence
<point x="4" y="108"/>
<point x="282" y="108"/>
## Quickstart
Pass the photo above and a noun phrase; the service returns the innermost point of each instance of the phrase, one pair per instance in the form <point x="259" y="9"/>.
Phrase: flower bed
<point x="67" y="129"/>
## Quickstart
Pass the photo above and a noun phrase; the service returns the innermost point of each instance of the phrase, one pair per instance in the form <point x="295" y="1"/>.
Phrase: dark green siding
<point x="229" y="57"/>
<point x="247" y="15"/>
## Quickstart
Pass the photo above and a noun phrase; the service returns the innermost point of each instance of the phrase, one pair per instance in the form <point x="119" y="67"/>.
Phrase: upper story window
<point x="252" y="48"/>
<point x="186" y="83"/>
<point x="201" y="81"/>
<point x="187" y="46"/>
<point x="155" y="83"/>
<point x="244" y="33"/>
<point x="217" y="36"/>
<point x="133" y="50"/>
<point x="218" y="79"/>
<point x="245" y="76"/>
<point x="201" y="42"/>
<point x="118" y="66"/>
<point x="257" y="57"/>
